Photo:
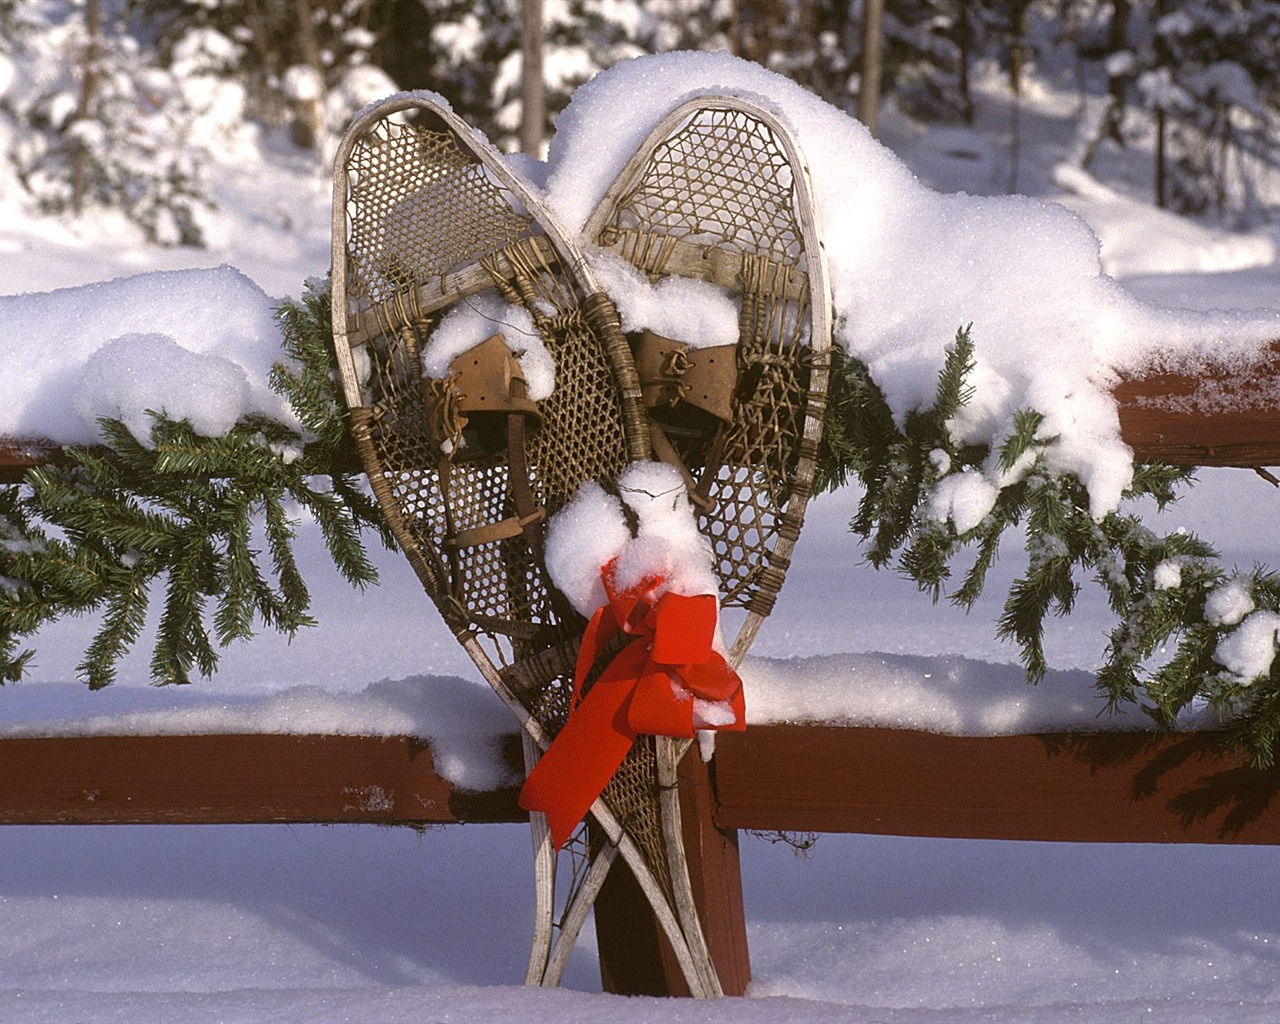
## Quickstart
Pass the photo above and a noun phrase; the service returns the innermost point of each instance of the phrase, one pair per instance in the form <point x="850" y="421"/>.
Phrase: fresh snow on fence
<point x="910" y="267"/>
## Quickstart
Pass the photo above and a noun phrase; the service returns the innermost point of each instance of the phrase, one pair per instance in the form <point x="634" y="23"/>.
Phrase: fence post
<point x="635" y="958"/>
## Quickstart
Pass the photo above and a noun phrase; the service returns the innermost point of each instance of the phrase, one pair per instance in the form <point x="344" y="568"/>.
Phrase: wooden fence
<point x="1112" y="787"/>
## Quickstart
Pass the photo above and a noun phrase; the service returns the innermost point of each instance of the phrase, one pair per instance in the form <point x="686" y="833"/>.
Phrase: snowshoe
<point x="715" y="209"/>
<point x="487" y="379"/>
<point x="709" y="243"/>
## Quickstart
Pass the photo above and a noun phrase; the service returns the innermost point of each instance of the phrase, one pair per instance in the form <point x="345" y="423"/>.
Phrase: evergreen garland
<point x="193" y="514"/>
<point x="189" y="513"/>
<point x="1161" y="588"/>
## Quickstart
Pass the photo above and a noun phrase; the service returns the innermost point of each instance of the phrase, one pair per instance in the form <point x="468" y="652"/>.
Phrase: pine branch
<point x="1023" y="442"/>
<point x="858" y="426"/>
<point x="954" y="391"/>
<point x="184" y="509"/>
<point x="1162" y="653"/>
<point x="123" y="620"/>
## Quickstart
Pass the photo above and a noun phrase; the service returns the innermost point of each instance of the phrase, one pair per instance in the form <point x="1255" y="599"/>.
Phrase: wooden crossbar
<point x="238" y="779"/>
<point x="17" y="456"/>
<point x="1218" y="417"/>
<point x="1114" y="787"/>
<point x="1087" y="787"/>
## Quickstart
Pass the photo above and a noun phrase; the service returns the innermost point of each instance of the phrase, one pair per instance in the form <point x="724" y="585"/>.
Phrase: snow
<point x="698" y="313"/>
<point x="944" y="694"/>
<point x="1136" y="239"/>
<point x="591" y="532"/>
<point x="268" y="923"/>
<point x="964" y="499"/>
<point x="190" y="343"/>
<point x="1228" y="604"/>
<point x="581" y="538"/>
<point x="303" y="84"/>
<point x="1248" y="652"/>
<point x="667" y="540"/>
<point x="477" y="320"/>
<point x="1168" y="575"/>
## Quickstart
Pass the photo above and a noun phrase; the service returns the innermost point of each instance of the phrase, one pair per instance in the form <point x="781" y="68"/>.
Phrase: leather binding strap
<point x="486" y="383"/>
<point x="688" y="392"/>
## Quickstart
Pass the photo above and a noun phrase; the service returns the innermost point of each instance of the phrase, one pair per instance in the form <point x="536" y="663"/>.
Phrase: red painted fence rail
<point x="1087" y="787"/>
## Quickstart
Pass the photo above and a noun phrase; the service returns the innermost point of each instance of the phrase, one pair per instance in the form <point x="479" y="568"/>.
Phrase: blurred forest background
<point x="131" y="104"/>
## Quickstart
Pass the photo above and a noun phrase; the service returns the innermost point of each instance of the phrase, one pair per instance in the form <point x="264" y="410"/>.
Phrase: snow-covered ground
<point x="259" y="923"/>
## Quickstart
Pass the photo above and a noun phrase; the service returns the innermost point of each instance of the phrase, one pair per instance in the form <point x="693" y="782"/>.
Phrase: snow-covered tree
<point x="96" y="121"/>
<point x="123" y="102"/>
<point x="13" y="31"/>
<point x="307" y="64"/>
<point x="1198" y="82"/>
<point x="1208" y="71"/>
<point x="475" y="58"/>
<point x="930" y="49"/>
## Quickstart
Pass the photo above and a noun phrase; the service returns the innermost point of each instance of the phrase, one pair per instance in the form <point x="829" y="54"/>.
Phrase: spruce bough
<point x="1167" y="652"/>
<point x="208" y="520"/>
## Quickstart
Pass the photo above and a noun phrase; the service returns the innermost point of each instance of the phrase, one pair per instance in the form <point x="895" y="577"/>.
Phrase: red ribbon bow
<point x="649" y="687"/>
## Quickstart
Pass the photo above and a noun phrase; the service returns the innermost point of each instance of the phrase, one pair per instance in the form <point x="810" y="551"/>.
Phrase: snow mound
<point x="461" y="720"/>
<point x="196" y="344"/>
<point x="948" y="694"/>
<point x="1137" y="239"/>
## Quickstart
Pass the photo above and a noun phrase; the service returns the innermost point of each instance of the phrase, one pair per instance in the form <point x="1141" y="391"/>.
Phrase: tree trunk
<point x="872" y="63"/>
<point x="88" y="90"/>
<point x="533" y="99"/>
<point x="309" y="128"/>
<point x="1118" y="42"/>
<point x="1018" y="15"/>
<point x="1162" y="171"/>
<point x="267" y="67"/>
<point x="1162" y="121"/>
<point x="802" y="44"/>
<point x="1097" y="113"/>
<point x="1018" y="12"/>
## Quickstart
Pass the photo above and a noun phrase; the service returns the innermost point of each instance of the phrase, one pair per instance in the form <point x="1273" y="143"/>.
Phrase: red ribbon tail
<point x="599" y="629"/>
<point x="587" y="751"/>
